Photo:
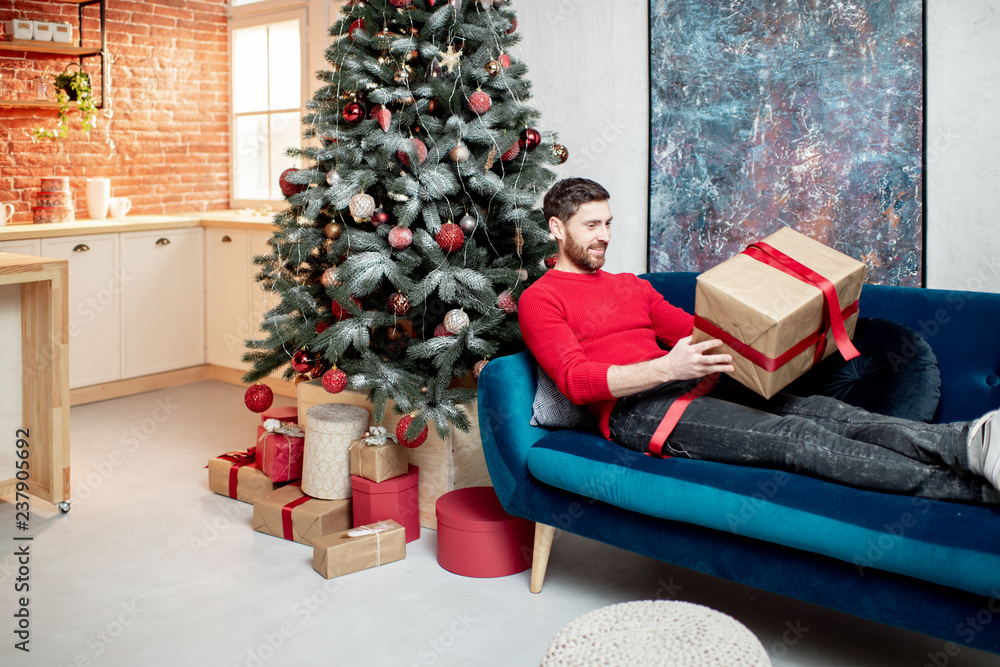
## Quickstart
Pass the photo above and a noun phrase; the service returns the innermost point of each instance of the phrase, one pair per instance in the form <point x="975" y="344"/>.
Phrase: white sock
<point x="984" y="447"/>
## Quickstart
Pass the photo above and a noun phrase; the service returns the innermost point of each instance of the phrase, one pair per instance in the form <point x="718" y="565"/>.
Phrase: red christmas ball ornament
<point x="504" y="60"/>
<point x="380" y="216"/>
<point x="340" y="312"/>
<point x="400" y="238"/>
<point x="506" y="302"/>
<point x="258" y="397"/>
<point x="550" y="262"/>
<point x="334" y="380"/>
<point x="530" y="139"/>
<point x="288" y="188"/>
<point x="450" y="237"/>
<point x="358" y="24"/>
<point x="301" y="361"/>
<point x="478" y="368"/>
<point x="399" y="3"/>
<point x="442" y="330"/>
<point x="354" y="112"/>
<point x="511" y="153"/>
<point x="513" y="26"/>
<point x="321" y="327"/>
<point x="401" y="427"/>
<point x="480" y="102"/>
<point x="416" y="146"/>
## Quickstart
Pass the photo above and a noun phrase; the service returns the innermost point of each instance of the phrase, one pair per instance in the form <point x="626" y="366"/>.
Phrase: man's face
<point x="584" y="238"/>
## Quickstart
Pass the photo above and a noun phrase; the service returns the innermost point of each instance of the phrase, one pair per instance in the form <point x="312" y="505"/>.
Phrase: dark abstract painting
<point x="802" y="113"/>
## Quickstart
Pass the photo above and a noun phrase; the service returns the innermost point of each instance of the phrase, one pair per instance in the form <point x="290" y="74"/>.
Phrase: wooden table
<point x="45" y="373"/>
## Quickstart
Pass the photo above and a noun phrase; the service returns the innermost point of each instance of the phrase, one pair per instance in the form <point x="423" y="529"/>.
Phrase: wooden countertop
<point x="135" y="223"/>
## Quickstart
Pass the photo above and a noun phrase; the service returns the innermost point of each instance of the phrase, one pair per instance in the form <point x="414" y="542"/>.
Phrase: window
<point x="266" y="71"/>
<point x="273" y="45"/>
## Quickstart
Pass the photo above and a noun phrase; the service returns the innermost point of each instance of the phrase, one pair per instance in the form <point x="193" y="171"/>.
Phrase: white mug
<point x="6" y="213"/>
<point x="119" y="206"/>
<point x="98" y="196"/>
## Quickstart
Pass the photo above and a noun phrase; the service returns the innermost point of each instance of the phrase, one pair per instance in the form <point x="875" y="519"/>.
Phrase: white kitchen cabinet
<point x="235" y="303"/>
<point x="163" y="306"/>
<point x="95" y="288"/>
<point x="227" y="297"/>
<point x="32" y="247"/>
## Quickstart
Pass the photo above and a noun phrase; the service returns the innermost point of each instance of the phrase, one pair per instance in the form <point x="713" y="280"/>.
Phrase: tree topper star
<point x="449" y="60"/>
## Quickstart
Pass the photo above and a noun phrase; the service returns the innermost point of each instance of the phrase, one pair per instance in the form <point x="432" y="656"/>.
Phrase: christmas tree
<point x="413" y="224"/>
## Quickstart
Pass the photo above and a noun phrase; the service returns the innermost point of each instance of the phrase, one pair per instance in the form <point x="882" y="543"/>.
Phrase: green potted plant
<point x="71" y="86"/>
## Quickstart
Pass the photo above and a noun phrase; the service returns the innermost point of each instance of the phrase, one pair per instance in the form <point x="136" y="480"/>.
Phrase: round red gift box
<point x="477" y="538"/>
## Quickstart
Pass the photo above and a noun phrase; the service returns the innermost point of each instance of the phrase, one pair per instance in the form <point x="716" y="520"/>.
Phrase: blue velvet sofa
<point x="928" y="566"/>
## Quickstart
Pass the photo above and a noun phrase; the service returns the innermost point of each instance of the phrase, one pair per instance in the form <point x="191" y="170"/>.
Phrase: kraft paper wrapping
<point x="251" y="480"/>
<point x="358" y="549"/>
<point x="378" y="462"/>
<point x="326" y="461"/>
<point x="772" y="311"/>
<point x="309" y="520"/>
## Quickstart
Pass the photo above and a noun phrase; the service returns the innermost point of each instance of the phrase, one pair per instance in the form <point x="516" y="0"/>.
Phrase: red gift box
<point x="279" y="452"/>
<point x="396" y="499"/>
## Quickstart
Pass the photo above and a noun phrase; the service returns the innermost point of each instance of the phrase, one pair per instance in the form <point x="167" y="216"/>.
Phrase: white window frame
<point x="315" y="18"/>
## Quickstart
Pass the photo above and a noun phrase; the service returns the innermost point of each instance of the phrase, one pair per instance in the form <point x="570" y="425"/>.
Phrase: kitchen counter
<point x="132" y="223"/>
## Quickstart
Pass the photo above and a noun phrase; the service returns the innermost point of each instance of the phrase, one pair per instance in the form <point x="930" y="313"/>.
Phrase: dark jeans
<point x="814" y="435"/>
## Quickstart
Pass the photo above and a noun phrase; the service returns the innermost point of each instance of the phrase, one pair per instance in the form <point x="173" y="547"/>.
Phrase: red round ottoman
<point x="477" y="538"/>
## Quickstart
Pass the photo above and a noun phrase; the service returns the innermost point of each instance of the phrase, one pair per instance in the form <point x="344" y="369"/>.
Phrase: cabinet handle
<point x="81" y="247"/>
<point x="226" y="239"/>
<point x="163" y="241"/>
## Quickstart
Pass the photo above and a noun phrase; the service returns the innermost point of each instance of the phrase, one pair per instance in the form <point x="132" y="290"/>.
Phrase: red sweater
<point x="577" y="325"/>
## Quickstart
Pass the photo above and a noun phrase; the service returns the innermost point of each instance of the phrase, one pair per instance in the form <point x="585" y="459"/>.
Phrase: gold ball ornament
<point x="493" y="68"/>
<point x="333" y="231"/>
<point x="560" y="152"/>
<point x="362" y="206"/>
<point x="329" y="277"/>
<point x="478" y="368"/>
<point x="456" y="321"/>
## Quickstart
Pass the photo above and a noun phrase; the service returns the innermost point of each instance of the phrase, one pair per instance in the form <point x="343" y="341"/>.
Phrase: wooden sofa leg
<point x="540" y="556"/>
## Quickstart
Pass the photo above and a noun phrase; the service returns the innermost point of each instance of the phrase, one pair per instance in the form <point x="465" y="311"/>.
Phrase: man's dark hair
<point x="566" y="196"/>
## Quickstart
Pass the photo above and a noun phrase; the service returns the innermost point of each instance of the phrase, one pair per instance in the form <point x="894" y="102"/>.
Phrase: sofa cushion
<point x="551" y="407"/>
<point x="896" y="374"/>
<point x="947" y="543"/>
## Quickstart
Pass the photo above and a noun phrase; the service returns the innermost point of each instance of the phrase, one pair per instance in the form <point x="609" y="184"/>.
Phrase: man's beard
<point x="580" y="256"/>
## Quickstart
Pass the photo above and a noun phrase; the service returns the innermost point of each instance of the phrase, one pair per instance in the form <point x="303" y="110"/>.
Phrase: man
<point x="596" y="334"/>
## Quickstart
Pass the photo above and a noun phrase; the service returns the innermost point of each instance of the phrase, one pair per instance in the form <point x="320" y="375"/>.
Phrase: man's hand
<point x="688" y="360"/>
<point x="685" y="361"/>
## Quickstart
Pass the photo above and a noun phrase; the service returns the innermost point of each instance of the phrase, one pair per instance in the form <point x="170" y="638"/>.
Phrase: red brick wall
<point x="167" y="117"/>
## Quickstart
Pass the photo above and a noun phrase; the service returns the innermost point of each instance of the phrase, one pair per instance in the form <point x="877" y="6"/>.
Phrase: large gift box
<point x="780" y="307"/>
<point x="238" y="476"/>
<point x="289" y="513"/>
<point x="397" y="499"/>
<point x="378" y="457"/>
<point x="280" y="448"/>
<point x="359" y="549"/>
<point x="326" y="462"/>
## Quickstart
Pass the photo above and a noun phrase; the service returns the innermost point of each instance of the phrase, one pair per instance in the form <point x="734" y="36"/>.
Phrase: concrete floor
<point x="149" y="568"/>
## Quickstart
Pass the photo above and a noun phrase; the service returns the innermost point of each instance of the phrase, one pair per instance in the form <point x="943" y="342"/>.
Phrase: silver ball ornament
<point x="456" y="320"/>
<point x="468" y="223"/>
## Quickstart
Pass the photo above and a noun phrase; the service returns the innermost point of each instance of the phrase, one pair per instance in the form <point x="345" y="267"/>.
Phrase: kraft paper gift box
<point x="378" y="458"/>
<point x="397" y="499"/>
<point x="291" y="514"/>
<point x="780" y="307"/>
<point x="238" y="476"/>
<point x="359" y="549"/>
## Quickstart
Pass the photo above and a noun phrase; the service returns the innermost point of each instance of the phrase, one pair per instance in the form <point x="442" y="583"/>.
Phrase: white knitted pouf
<point x="655" y="632"/>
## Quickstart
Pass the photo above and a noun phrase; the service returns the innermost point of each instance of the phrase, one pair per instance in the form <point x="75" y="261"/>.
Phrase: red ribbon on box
<point x="286" y="515"/>
<point x="238" y="459"/>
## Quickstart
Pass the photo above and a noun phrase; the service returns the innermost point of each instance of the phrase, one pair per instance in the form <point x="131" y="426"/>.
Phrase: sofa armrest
<point x="506" y="391"/>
